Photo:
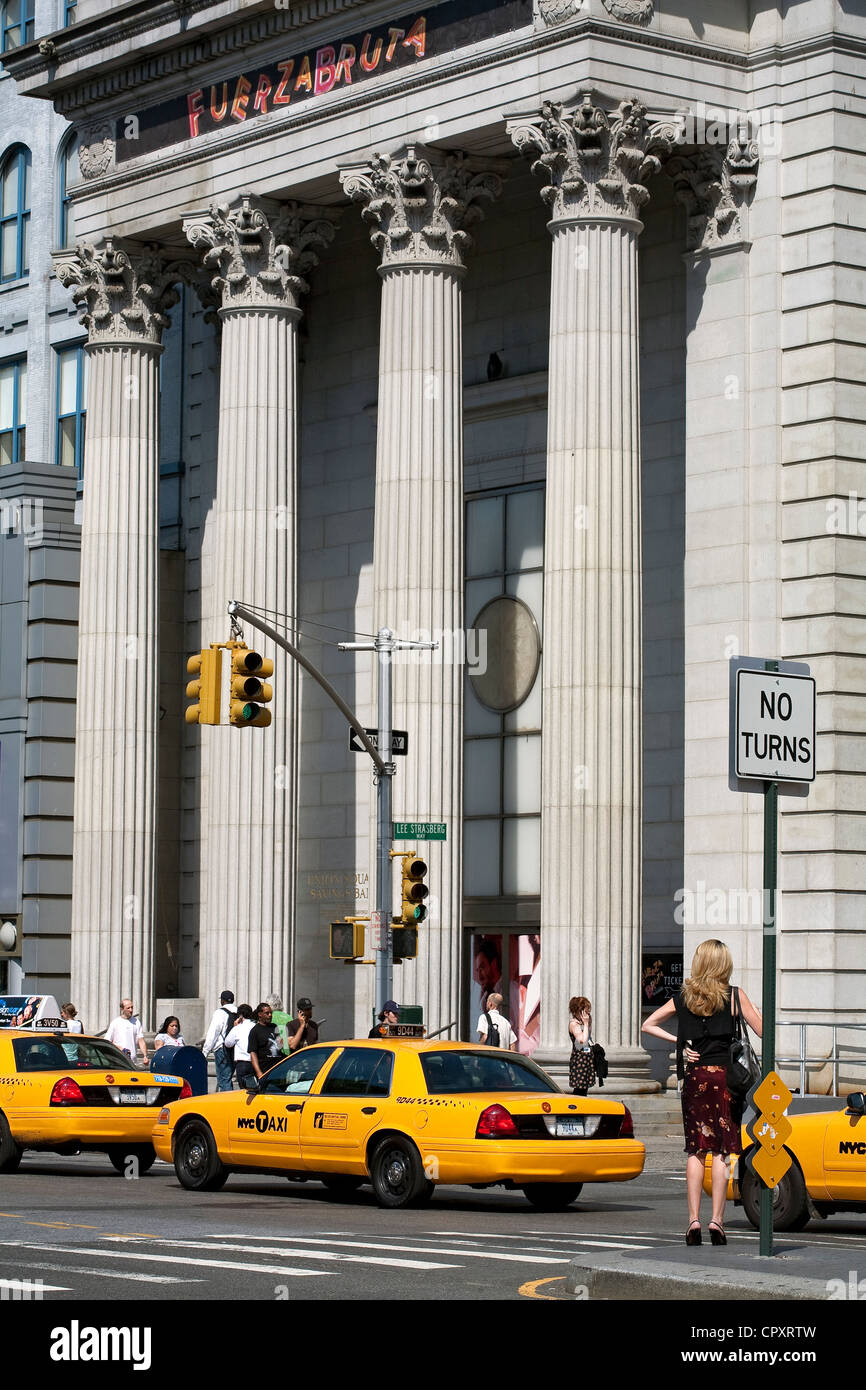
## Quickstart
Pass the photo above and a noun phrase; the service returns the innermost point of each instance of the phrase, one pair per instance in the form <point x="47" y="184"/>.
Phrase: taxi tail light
<point x="626" y="1129"/>
<point x="186" y="1091"/>
<point x="496" y="1123"/>
<point x="67" y="1092"/>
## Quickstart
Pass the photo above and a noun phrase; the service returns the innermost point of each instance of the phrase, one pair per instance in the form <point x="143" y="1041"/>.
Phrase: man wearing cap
<point x="221" y="1023"/>
<point x="303" y="1032"/>
<point x="390" y="1015"/>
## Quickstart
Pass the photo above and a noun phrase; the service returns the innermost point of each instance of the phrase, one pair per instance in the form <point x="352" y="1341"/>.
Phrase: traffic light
<point x="404" y="942"/>
<point x="347" y="939"/>
<point x="205" y="690"/>
<point x="415" y="890"/>
<point x="249" y="691"/>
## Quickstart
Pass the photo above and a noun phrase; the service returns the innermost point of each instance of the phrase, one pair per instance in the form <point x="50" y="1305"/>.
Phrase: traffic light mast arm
<point x="237" y="610"/>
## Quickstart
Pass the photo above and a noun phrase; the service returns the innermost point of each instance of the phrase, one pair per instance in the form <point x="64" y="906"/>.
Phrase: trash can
<point x="187" y="1062"/>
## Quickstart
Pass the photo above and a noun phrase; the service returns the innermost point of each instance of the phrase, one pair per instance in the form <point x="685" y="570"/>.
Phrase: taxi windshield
<point x="452" y="1072"/>
<point x="61" y="1054"/>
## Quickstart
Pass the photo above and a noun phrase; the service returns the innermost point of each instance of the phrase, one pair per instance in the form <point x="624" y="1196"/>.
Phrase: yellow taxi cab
<point x="66" y="1093"/>
<point x="828" y="1173"/>
<point x="404" y="1114"/>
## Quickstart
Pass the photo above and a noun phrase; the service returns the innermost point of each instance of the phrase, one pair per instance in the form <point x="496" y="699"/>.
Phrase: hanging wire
<point x="296" y="624"/>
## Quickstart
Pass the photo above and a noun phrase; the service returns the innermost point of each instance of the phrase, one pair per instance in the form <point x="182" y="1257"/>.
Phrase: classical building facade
<point x="529" y="327"/>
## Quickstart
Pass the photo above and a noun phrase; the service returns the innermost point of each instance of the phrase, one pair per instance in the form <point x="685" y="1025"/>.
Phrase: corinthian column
<point x="258" y="253"/>
<point x="596" y="165"/>
<point x="418" y="205"/>
<point x="121" y="299"/>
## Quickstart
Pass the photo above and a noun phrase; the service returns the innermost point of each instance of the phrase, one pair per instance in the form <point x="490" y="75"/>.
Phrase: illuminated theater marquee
<point x="402" y="43"/>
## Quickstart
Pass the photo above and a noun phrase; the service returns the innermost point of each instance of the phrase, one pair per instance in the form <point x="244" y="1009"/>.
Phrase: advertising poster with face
<point x="519" y="985"/>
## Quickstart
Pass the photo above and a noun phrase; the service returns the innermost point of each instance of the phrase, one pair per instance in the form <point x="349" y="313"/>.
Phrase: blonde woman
<point x="711" y="1120"/>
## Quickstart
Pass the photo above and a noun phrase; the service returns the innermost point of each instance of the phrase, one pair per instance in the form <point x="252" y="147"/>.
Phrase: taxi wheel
<point x="197" y="1160"/>
<point x="143" y="1154"/>
<point x="552" y="1196"/>
<point x="10" y="1152"/>
<point x="397" y="1173"/>
<point x="790" y="1204"/>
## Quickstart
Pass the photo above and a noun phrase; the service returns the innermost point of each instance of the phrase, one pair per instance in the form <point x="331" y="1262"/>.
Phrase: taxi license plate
<point x="570" y="1129"/>
<point x="133" y="1098"/>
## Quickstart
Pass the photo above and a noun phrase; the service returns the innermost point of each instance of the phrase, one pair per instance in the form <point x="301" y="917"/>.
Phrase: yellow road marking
<point x="530" y="1290"/>
<point x="64" y="1225"/>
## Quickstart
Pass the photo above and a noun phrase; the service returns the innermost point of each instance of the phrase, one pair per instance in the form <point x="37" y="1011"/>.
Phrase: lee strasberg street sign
<point x="775" y="723"/>
<point x="399" y="741"/>
<point x="419" y="830"/>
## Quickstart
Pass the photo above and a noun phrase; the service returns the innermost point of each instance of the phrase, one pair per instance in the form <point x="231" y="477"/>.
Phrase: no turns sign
<point x="774" y="726"/>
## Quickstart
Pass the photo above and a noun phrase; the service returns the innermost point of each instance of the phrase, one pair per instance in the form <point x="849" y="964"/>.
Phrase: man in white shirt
<point x="126" y="1032"/>
<point x="503" y="1036"/>
<point x="221" y="1023"/>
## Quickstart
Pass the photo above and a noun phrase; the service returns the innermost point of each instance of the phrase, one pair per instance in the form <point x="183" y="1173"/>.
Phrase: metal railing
<point x="847" y="1054"/>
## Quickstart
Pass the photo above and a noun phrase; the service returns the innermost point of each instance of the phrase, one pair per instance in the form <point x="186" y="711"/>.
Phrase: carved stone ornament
<point x="558" y="11"/>
<point x="419" y="204"/>
<point x="714" y="184"/>
<point x="630" y="11"/>
<point x="122" y="297"/>
<point x="95" y="150"/>
<point x="48" y="49"/>
<point x="597" y="163"/>
<point x="259" y="254"/>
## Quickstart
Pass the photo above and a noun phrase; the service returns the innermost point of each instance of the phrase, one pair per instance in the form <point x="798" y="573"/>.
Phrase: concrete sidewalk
<point x="668" y="1276"/>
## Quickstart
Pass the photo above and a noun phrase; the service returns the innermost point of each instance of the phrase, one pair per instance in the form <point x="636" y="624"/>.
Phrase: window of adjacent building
<point x="502" y="749"/>
<point x="71" y="406"/>
<point x="13" y="411"/>
<point x="70" y="175"/>
<point x="15" y="214"/>
<point x="69" y="8"/>
<point x="17" y="23"/>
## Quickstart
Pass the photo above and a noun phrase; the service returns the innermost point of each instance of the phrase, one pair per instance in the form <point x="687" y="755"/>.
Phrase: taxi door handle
<point x="299" y="1106"/>
<point x="368" y="1109"/>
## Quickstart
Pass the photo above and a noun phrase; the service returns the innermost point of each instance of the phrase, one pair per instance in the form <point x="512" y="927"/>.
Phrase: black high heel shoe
<point x="717" y="1233"/>
<point x="693" y="1234"/>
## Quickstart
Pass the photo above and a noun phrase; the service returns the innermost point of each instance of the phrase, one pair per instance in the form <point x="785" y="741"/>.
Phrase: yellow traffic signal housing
<point x="404" y="942"/>
<point x="205" y="690"/>
<point x="346" y="940"/>
<point x="415" y="890"/>
<point x="249" y="689"/>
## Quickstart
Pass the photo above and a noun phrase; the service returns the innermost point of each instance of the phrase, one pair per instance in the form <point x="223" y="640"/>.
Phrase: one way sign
<point x="399" y="741"/>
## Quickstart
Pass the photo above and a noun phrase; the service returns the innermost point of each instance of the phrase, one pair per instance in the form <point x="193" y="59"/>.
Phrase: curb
<point x="619" y="1277"/>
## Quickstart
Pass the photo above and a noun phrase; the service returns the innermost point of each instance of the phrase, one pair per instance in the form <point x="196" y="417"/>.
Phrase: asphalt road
<point x="87" y="1233"/>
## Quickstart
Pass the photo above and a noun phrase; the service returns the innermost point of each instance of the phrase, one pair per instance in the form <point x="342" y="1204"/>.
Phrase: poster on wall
<point x="508" y="964"/>
<point x="661" y="977"/>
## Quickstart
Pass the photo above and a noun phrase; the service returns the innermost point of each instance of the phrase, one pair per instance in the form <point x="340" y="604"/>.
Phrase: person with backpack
<point x="221" y="1023"/>
<point x="493" y="1028"/>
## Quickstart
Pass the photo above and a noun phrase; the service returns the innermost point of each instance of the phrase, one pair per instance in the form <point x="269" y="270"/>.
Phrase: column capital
<point x="419" y="203"/>
<point x="122" y="295"/>
<point x="715" y="183"/>
<point x="260" y="251"/>
<point x="597" y="162"/>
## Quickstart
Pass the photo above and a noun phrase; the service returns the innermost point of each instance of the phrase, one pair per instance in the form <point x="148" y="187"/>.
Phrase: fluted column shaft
<point x="117" y="706"/>
<point x="418" y="592"/>
<point x="249" y="553"/>
<point x="591" y="772"/>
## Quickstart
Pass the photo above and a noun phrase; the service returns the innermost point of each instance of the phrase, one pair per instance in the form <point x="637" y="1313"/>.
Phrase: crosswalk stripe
<point x="174" y="1260"/>
<point x="433" y="1250"/>
<point x="337" y="1255"/>
<point x="33" y="1289"/>
<point x="106" y="1273"/>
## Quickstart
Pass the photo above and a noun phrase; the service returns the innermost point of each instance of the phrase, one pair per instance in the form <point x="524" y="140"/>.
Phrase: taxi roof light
<point x="496" y="1123"/>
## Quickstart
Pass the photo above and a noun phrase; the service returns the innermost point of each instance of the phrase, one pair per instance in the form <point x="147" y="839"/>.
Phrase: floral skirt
<point x="581" y="1072"/>
<point x="711" y="1120"/>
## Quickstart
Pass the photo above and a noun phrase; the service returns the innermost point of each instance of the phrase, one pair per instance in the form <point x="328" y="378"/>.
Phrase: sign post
<point x="771" y="750"/>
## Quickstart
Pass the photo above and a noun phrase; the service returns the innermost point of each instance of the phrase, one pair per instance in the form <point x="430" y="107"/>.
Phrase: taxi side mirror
<point x="856" y="1103"/>
<point x="251" y="1083"/>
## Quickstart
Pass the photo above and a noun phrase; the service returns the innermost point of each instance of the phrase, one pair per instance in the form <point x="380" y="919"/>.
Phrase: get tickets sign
<point x="309" y="74"/>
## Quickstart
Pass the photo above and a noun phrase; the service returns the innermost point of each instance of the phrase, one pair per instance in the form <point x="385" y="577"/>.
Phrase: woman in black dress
<point x="711" y="1120"/>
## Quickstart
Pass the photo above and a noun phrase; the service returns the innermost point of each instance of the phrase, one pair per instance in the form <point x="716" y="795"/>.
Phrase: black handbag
<point x="599" y="1063"/>
<point x="744" y="1070"/>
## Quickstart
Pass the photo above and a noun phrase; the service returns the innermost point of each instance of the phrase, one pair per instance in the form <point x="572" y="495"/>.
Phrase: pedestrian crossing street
<point x="140" y="1260"/>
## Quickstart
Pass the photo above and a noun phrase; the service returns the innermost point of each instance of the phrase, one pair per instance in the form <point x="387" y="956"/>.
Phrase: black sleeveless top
<point x="710" y="1036"/>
